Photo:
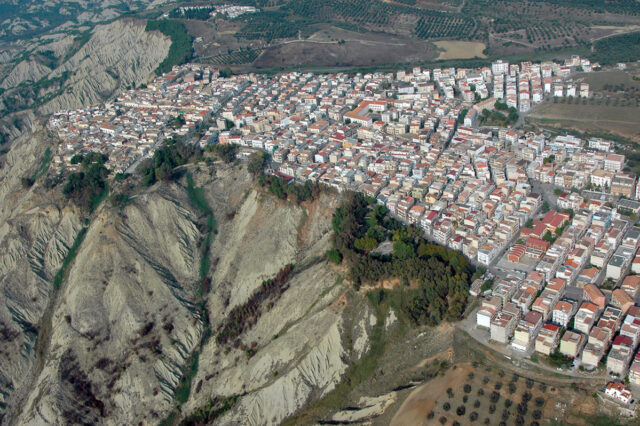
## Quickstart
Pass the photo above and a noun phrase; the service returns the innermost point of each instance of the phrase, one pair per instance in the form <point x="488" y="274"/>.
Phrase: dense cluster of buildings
<point x="134" y="124"/>
<point x="228" y="11"/>
<point x="562" y="304"/>
<point x="411" y="141"/>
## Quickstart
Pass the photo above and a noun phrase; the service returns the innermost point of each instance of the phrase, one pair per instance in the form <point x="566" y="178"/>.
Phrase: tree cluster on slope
<point x="435" y="279"/>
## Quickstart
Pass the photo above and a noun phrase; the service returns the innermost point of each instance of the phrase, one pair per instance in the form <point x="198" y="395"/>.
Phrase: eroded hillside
<point x="115" y="343"/>
<point x="70" y="70"/>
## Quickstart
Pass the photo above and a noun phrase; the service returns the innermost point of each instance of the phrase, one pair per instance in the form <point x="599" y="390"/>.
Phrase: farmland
<point x="504" y="28"/>
<point x="460" y="49"/>
<point x="442" y="376"/>
<point x="613" y="108"/>
<point x="338" y="47"/>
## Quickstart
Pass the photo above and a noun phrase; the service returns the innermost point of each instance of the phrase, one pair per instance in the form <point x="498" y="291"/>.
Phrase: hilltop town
<point x="550" y="217"/>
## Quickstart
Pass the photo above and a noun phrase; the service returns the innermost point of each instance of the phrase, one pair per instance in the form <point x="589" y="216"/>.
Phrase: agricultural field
<point x="470" y="393"/>
<point x="460" y="49"/>
<point x="441" y="375"/>
<point x="505" y="28"/>
<point x="336" y="47"/>
<point x="483" y="387"/>
<point x="613" y="108"/>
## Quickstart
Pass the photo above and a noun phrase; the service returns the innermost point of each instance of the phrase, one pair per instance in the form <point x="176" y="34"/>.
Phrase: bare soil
<point x="460" y="49"/>
<point x="421" y="401"/>
<point x="335" y="47"/>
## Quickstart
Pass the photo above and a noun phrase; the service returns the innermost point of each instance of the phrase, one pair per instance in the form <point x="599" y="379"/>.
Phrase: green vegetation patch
<point x="164" y="161"/>
<point x="226" y="152"/>
<point x="245" y="316"/>
<point x="621" y="48"/>
<point x="88" y="187"/>
<point x="42" y="169"/>
<point x="198" y="200"/>
<point x="207" y="414"/>
<point x="508" y="117"/>
<point x="184" y="388"/>
<point x="436" y="279"/>
<point x="271" y="25"/>
<point x="71" y="254"/>
<point x="181" y="50"/>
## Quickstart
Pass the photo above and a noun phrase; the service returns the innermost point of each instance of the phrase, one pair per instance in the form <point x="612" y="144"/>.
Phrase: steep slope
<point x="298" y="347"/>
<point x="117" y="55"/>
<point x="36" y="231"/>
<point x="68" y="70"/>
<point x="124" y="321"/>
<point x="25" y="71"/>
<point x="127" y="319"/>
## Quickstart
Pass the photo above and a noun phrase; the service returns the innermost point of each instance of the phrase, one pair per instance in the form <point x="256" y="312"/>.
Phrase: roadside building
<point x="594" y="295"/>
<point x="563" y="312"/>
<point x="502" y="326"/>
<point x="634" y="370"/>
<point x="488" y="311"/>
<point x="547" y="339"/>
<point x="572" y="343"/>
<point x="618" y="391"/>
<point x="620" y="356"/>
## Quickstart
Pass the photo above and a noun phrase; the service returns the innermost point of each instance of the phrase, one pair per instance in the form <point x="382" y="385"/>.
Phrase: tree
<point x="87" y="186"/>
<point x="334" y="256"/>
<point x="366" y="244"/>
<point x="226" y="152"/>
<point x="402" y="250"/>
<point x="256" y="162"/>
<point x="548" y="237"/>
<point x="545" y="207"/>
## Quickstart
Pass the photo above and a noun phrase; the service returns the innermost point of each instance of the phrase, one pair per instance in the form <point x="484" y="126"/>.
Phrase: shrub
<point x="492" y="408"/>
<point x="473" y="416"/>
<point x="539" y="401"/>
<point x="508" y="403"/>
<point x="461" y="410"/>
<point x="476" y="404"/>
<point x="467" y="388"/>
<point x="522" y="409"/>
<point x="443" y="420"/>
<point x="334" y="256"/>
<point x="446" y="406"/>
